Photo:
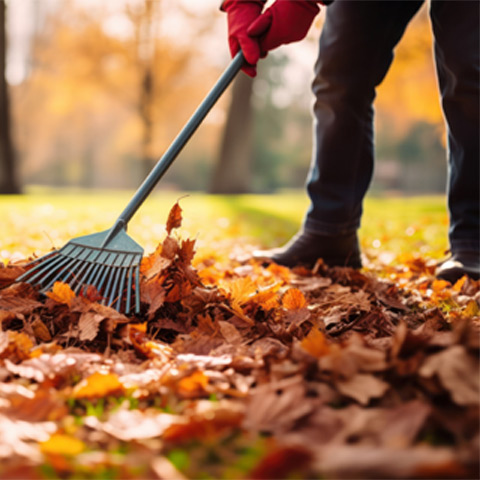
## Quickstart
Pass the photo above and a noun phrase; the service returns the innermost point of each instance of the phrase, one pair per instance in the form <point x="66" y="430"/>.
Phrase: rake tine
<point x="109" y="288"/>
<point x="95" y="273"/>
<point x="105" y="275"/>
<point x="43" y="258"/>
<point x="115" y="293"/>
<point x="129" y="289"/>
<point x="120" y="290"/>
<point x="85" y="270"/>
<point x="137" y="288"/>
<point x="57" y="263"/>
<point x="63" y="274"/>
<point x="125" y="270"/>
<point x="40" y="266"/>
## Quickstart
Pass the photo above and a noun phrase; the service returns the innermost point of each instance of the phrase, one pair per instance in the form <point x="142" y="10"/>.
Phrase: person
<point x="355" y="52"/>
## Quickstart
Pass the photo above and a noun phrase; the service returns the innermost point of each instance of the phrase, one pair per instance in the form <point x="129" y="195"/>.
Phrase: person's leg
<point x="356" y="50"/>
<point x="457" y="39"/>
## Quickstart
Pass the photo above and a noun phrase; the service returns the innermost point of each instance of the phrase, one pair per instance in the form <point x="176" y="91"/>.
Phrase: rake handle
<point x="180" y="141"/>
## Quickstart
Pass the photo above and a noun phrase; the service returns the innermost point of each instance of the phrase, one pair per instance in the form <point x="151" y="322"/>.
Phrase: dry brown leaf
<point x="187" y="251"/>
<point x="88" y="325"/>
<point x="457" y="371"/>
<point x="230" y="333"/>
<point x="283" y="462"/>
<point x="206" y="421"/>
<point x="362" y="387"/>
<point x="40" y="330"/>
<point x="174" y="218"/>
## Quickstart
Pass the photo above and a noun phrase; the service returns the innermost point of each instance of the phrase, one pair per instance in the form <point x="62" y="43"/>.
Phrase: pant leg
<point x="356" y="51"/>
<point x="456" y="31"/>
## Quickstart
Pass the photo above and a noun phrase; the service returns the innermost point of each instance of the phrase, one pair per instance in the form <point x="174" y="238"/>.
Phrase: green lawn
<point x="41" y="219"/>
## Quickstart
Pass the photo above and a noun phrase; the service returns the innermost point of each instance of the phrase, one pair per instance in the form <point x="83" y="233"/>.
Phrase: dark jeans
<point x="356" y="50"/>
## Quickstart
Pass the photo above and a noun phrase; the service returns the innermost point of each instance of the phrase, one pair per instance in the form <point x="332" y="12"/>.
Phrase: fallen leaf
<point x="61" y="444"/>
<point x="174" y="218"/>
<point x="98" y="385"/>
<point x="61" y="293"/>
<point x="457" y="371"/>
<point x="362" y="387"/>
<point x="194" y="385"/>
<point x="315" y="343"/>
<point x="88" y="325"/>
<point x="293" y="299"/>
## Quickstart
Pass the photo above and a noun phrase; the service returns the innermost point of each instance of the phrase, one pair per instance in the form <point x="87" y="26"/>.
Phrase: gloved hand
<point x="286" y="21"/>
<point x="240" y="15"/>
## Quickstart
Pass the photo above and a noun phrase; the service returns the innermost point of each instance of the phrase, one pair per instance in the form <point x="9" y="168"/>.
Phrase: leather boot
<point x="458" y="265"/>
<point x="305" y="248"/>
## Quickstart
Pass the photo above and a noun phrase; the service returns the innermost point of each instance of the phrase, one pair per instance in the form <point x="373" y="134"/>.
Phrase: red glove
<point x="286" y="21"/>
<point x="240" y="15"/>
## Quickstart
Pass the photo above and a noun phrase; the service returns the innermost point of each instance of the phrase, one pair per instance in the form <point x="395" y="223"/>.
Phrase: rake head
<point x="109" y="262"/>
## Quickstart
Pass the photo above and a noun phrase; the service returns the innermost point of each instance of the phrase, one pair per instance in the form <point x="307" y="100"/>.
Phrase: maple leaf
<point x="293" y="299"/>
<point x="61" y="293"/>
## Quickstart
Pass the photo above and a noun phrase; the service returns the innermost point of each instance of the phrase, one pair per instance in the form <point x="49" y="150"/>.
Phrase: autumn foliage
<point x="242" y="370"/>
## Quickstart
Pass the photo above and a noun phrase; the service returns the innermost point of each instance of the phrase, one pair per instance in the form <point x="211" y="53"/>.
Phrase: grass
<point x="42" y="219"/>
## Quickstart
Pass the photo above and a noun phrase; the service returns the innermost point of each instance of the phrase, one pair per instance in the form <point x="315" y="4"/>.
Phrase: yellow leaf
<point x="60" y="444"/>
<point x="472" y="309"/>
<point x="61" y="293"/>
<point x="98" y="385"/>
<point x="241" y="290"/>
<point x="293" y="299"/>
<point x="315" y="343"/>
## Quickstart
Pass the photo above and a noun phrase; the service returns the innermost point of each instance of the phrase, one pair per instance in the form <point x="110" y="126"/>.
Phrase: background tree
<point x="8" y="179"/>
<point x="232" y="172"/>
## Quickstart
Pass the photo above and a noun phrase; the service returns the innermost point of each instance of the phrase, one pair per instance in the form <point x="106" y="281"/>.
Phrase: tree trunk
<point x="8" y="180"/>
<point x="232" y="172"/>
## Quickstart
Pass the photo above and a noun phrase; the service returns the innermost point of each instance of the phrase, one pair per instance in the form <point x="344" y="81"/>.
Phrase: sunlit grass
<point x="40" y="220"/>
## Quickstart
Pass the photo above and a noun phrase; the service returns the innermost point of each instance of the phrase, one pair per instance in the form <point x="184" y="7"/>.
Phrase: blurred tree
<point x="144" y="17"/>
<point x="232" y="171"/>
<point x="8" y="179"/>
<point x="97" y="102"/>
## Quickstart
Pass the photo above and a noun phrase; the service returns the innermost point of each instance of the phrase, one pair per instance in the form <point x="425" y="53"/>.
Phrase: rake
<point x="110" y="260"/>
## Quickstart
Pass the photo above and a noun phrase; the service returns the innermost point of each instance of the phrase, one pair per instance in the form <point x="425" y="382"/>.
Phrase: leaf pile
<point x="241" y="370"/>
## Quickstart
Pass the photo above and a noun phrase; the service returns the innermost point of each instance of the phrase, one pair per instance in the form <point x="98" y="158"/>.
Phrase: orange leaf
<point x="293" y="299"/>
<point x="98" y="385"/>
<point x="193" y="385"/>
<point x="61" y="293"/>
<point x="315" y="343"/>
<point x="174" y="218"/>
<point x="440" y="285"/>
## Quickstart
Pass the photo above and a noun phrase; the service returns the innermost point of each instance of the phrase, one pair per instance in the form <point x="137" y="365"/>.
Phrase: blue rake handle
<point x="177" y="145"/>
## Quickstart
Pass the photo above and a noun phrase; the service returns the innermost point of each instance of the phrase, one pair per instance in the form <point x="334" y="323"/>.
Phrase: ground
<point x="235" y="369"/>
